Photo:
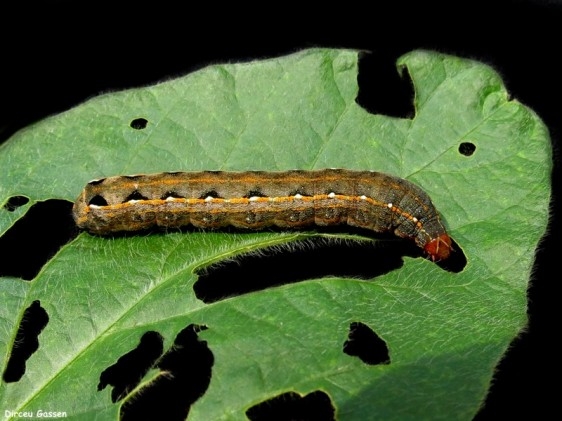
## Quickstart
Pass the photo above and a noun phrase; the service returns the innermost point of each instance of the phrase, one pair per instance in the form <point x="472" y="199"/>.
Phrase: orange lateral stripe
<point x="246" y="200"/>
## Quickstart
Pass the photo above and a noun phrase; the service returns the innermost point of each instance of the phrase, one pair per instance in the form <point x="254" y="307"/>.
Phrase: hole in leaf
<point x="364" y="343"/>
<point x="456" y="261"/>
<point x="129" y="369"/>
<point x="35" y="238"/>
<point x="298" y="261"/>
<point x="293" y="406"/>
<point x="139" y="123"/>
<point x="382" y="89"/>
<point x="467" y="148"/>
<point x="34" y="320"/>
<point x="185" y="376"/>
<point x="15" y="202"/>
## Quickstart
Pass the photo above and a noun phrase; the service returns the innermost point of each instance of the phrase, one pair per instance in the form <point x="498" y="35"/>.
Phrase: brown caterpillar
<point x="259" y="199"/>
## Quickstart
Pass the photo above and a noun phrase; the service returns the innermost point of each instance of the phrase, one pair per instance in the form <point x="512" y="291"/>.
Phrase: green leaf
<point x="445" y="331"/>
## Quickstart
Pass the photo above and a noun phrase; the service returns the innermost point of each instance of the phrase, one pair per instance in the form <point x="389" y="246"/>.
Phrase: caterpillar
<point x="260" y="199"/>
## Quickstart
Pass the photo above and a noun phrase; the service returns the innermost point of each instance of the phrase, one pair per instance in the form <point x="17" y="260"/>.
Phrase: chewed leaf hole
<point x="364" y="343"/>
<point x="36" y="237"/>
<point x="299" y="261"/>
<point x="15" y="202"/>
<point x="293" y="406"/>
<point x="128" y="371"/>
<point x="185" y="374"/>
<point x="139" y="123"/>
<point x="34" y="320"/>
<point x="467" y="148"/>
<point x="456" y="262"/>
<point x="383" y="90"/>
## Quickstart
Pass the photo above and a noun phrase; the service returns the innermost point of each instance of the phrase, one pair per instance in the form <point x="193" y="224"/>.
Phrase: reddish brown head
<point x="439" y="248"/>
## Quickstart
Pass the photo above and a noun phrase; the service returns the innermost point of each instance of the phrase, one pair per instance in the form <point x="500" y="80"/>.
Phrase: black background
<point x="57" y="54"/>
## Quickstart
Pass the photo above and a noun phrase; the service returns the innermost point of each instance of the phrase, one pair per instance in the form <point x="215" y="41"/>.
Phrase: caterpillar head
<point x="438" y="248"/>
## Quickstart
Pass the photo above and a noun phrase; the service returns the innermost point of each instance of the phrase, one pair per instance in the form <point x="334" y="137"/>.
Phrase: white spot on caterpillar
<point x="254" y="198"/>
<point x="209" y="199"/>
<point x="331" y="195"/>
<point x="298" y="196"/>
<point x="94" y="207"/>
<point x="133" y="201"/>
<point x="363" y="197"/>
<point x="389" y="205"/>
<point x="170" y="199"/>
<point x="414" y="219"/>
